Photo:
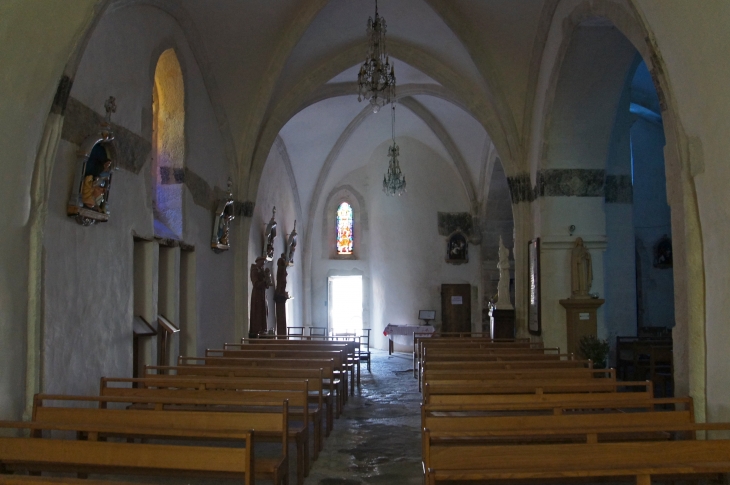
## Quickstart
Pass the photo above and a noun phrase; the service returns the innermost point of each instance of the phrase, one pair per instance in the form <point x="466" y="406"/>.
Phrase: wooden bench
<point x="172" y="418"/>
<point x="529" y="373"/>
<point x="562" y="427"/>
<point x="463" y="395"/>
<point x="320" y="390"/>
<point x="120" y="385"/>
<point x="339" y="357"/>
<point x="485" y="361"/>
<point x="351" y="348"/>
<point x="330" y="374"/>
<point x="242" y="392"/>
<point x="113" y="458"/>
<point x="637" y="461"/>
<point x="423" y="339"/>
<point x="36" y="480"/>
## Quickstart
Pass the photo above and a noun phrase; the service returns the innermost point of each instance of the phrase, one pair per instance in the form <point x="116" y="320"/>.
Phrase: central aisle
<point x="377" y="438"/>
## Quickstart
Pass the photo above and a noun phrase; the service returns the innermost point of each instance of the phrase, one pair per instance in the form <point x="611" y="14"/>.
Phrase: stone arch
<point x="404" y="94"/>
<point x="689" y="334"/>
<point x="478" y="105"/>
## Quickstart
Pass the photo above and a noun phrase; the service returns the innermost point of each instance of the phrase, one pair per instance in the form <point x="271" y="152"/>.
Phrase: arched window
<point x="169" y="146"/>
<point x="343" y="225"/>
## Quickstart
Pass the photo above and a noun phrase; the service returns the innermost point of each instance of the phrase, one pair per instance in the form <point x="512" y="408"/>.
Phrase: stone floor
<point x="377" y="438"/>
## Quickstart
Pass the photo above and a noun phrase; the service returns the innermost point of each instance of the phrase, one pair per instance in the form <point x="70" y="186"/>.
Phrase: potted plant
<point x="595" y="349"/>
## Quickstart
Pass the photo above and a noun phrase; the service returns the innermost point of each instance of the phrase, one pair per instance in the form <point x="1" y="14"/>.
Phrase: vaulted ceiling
<point x="287" y="70"/>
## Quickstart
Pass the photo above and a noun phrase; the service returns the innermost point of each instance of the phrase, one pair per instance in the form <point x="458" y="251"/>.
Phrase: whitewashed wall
<point x="276" y="190"/>
<point x="88" y="270"/>
<point x="404" y="263"/>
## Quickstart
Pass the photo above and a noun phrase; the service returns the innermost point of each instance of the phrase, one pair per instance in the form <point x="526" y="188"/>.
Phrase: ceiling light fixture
<point x="394" y="182"/>
<point x="376" y="80"/>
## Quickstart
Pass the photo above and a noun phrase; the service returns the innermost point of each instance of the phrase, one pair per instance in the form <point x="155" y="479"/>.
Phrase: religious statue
<point x="457" y="249"/>
<point x="270" y="236"/>
<point x="89" y="203"/>
<point x="281" y="295"/>
<point x="291" y="246"/>
<point x="581" y="270"/>
<point x="221" y="228"/>
<point x="503" y="302"/>
<point x="261" y="281"/>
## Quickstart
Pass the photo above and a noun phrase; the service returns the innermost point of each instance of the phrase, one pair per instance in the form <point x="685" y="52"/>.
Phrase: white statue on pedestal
<point x="503" y="302"/>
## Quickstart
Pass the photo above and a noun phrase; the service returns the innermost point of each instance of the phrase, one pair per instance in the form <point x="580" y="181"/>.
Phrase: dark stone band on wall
<point x="571" y="182"/>
<point x="448" y="222"/>
<point x="246" y="208"/>
<point x="619" y="189"/>
<point x="520" y="188"/>
<point x="171" y="175"/>
<point x="81" y="122"/>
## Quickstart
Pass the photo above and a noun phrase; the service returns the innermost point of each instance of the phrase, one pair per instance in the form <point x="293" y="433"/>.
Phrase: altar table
<point x="408" y="330"/>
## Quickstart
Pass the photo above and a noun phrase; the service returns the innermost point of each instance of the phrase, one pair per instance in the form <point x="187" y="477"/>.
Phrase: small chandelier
<point x="394" y="182"/>
<point x="376" y="80"/>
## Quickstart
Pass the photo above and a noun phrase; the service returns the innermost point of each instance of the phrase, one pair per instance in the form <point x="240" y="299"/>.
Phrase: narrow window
<point x="168" y="107"/>
<point x="344" y="229"/>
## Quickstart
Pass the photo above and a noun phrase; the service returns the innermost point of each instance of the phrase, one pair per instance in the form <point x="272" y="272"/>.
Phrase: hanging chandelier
<point x="394" y="182"/>
<point x="376" y="80"/>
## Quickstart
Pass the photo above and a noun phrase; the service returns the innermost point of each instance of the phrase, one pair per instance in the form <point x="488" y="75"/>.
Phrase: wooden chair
<point x="317" y="331"/>
<point x="365" y="341"/>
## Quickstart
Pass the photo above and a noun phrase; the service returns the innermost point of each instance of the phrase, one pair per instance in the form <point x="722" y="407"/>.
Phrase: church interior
<point x="180" y="174"/>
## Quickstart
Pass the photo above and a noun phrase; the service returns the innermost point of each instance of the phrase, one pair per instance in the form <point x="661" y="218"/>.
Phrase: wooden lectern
<point x="581" y="319"/>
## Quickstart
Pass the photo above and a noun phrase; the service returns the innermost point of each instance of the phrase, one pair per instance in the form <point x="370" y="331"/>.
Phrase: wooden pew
<point x="175" y="418"/>
<point x="351" y="348"/>
<point x="321" y="390"/>
<point x="246" y="392"/>
<point x="332" y="378"/>
<point x="339" y="357"/>
<point x="430" y="354"/>
<point x="635" y="460"/>
<point x="462" y="395"/>
<point x="555" y="427"/>
<point x="421" y="340"/>
<point x="314" y="413"/>
<point x="456" y="361"/>
<point x="528" y="373"/>
<point x="112" y="458"/>
<point x="36" y="480"/>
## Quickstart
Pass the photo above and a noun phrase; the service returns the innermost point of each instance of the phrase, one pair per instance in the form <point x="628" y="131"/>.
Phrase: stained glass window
<point x="344" y="229"/>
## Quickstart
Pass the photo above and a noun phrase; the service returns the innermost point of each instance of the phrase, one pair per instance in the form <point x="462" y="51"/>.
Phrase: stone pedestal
<point x="501" y="323"/>
<point x="581" y="320"/>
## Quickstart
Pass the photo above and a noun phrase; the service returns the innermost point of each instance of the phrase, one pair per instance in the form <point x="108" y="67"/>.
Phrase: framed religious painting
<point x="534" y="324"/>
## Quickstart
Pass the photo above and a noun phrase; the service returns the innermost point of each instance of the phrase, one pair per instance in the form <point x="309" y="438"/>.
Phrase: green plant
<point x="591" y="347"/>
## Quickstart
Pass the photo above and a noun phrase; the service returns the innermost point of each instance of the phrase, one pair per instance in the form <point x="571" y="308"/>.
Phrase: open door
<point x="456" y="308"/>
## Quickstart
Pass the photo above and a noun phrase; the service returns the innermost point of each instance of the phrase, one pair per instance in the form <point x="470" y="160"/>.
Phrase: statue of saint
<point x="261" y="280"/>
<point x="291" y="246"/>
<point x="270" y="236"/>
<point x="224" y="214"/>
<point x="503" y="302"/>
<point x="281" y="295"/>
<point x="581" y="270"/>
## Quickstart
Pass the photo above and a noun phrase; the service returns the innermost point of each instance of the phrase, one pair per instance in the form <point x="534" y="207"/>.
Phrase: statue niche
<point x="224" y="214"/>
<point x="457" y="248"/>
<point x="89" y="201"/>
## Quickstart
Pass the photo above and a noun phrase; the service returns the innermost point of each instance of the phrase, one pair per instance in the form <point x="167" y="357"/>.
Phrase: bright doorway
<point x="345" y="303"/>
